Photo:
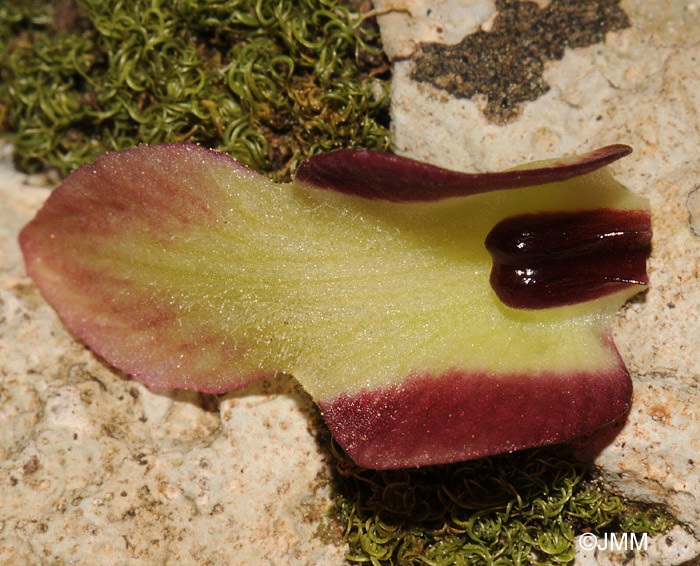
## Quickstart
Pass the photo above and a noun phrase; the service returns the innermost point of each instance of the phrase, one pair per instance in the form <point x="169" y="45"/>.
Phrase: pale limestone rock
<point x="641" y="88"/>
<point x="693" y="206"/>
<point x="405" y="23"/>
<point x="97" y="469"/>
<point x="675" y="547"/>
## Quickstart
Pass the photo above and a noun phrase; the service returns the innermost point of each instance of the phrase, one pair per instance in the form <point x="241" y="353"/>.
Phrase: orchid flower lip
<point x="433" y="315"/>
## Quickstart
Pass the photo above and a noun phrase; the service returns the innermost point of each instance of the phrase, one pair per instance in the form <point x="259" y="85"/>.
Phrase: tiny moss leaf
<point x="519" y="509"/>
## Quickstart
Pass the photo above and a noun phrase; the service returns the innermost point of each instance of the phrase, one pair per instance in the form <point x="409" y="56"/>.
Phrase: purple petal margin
<point x="384" y="176"/>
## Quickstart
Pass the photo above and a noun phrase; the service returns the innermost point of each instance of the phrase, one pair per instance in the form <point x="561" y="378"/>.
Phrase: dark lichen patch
<point x="31" y="466"/>
<point x="506" y="64"/>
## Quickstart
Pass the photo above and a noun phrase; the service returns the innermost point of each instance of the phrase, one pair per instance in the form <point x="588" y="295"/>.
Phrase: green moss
<point x="519" y="509"/>
<point x="268" y="82"/>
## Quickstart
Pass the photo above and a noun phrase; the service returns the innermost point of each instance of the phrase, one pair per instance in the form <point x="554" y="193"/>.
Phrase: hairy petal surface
<point x="368" y="279"/>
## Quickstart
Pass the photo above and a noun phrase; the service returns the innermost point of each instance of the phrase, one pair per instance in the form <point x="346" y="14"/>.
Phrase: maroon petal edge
<point x="461" y="415"/>
<point x="122" y="324"/>
<point x="385" y="176"/>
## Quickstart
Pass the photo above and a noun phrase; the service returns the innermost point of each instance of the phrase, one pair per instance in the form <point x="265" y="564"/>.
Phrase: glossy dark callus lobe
<point x="554" y="259"/>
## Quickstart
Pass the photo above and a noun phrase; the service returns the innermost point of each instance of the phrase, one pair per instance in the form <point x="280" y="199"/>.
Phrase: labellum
<point x="434" y="316"/>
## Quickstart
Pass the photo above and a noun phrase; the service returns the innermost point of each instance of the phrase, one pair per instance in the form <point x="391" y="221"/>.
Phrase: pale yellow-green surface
<point x="346" y="293"/>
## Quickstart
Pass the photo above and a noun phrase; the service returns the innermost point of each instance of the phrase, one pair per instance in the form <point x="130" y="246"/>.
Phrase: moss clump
<point x="523" y="509"/>
<point x="269" y="82"/>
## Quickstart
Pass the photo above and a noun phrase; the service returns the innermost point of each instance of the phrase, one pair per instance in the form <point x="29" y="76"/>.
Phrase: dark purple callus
<point x="554" y="259"/>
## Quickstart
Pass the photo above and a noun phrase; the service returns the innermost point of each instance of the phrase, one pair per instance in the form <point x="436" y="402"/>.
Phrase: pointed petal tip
<point x="387" y="176"/>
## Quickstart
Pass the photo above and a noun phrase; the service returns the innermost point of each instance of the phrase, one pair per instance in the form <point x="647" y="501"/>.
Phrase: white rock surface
<point x="675" y="547"/>
<point x="405" y="23"/>
<point x="642" y="87"/>
<point x="96" y="469"/>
